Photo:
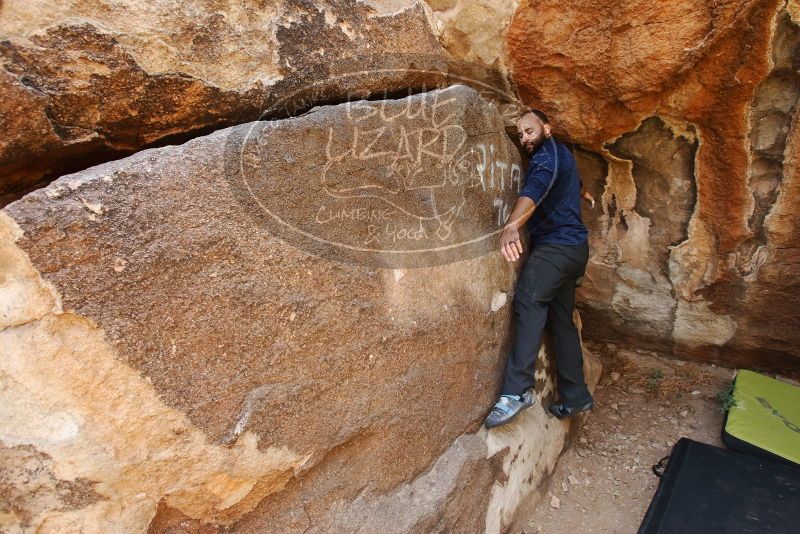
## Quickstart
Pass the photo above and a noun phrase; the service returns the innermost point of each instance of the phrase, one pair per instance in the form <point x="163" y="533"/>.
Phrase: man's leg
<point x="547" y="270"/>
<point x="538" y="283"/>
<point x="569" y="357"/>
<point x="530" y="317"/>
<point x="530" y="314"/>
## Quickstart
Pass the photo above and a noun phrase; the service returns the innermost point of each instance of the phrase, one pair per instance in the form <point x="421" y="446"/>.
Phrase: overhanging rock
<point x="298" y="324"/>
<point x="86" y="82"/>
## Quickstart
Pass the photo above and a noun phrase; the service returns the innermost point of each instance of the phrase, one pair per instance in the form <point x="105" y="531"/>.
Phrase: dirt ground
<point x="643" y="405"/>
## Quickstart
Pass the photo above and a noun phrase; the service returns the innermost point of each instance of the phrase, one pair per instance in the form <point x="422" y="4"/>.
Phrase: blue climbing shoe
<point x="508" y="407"/>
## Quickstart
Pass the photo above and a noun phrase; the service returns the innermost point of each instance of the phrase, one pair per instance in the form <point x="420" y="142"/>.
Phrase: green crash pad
<point x="765" y="418"/>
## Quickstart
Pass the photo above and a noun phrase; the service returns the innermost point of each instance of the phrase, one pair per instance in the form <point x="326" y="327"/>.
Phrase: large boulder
<point x="683" y="117"/>
<point x="680" y="115"/>
<point x="295" y="325"/>
<point x="93" y="80"/>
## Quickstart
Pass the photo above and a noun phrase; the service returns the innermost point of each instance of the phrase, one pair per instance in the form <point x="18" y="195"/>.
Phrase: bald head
<point x="537" y="113"/>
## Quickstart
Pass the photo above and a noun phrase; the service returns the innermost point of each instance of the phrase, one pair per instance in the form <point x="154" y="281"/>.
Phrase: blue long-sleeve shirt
<point x="553" y="183"/>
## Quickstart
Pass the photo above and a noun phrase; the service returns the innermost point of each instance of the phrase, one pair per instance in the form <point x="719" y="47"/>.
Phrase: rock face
<point x="167" y="361"/>
<point x="297" y="322"/>
<point x="472" y="32"/>
<point x="94" y="80"/>
<point x="684" y="118"/>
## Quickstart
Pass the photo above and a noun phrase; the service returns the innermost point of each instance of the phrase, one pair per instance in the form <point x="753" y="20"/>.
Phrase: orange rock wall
<point x="630" y="84"/>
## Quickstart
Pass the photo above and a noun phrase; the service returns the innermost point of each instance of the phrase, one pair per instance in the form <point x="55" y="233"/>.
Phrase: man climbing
<point x="550" y="205"/>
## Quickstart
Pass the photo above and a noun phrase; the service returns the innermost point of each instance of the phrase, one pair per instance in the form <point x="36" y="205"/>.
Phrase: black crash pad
<point x="706" y="489"/>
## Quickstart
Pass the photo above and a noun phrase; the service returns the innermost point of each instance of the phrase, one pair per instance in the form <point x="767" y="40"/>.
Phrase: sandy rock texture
<point x="472" y="33"/>
<point x="683" y="116"/>
<point x="87" y="81"/>
<point x="171" y="364"/>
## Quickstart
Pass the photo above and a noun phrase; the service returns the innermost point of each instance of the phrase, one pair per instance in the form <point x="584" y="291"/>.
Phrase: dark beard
<point x="535" y="146"/>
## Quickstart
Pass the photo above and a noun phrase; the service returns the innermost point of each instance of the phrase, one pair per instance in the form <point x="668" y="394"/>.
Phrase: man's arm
<point x="537" y="182"/>
<point x="510" y="243"/>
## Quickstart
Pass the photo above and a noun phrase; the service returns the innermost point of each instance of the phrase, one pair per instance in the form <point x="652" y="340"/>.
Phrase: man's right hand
<point x="510" y="243"/>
